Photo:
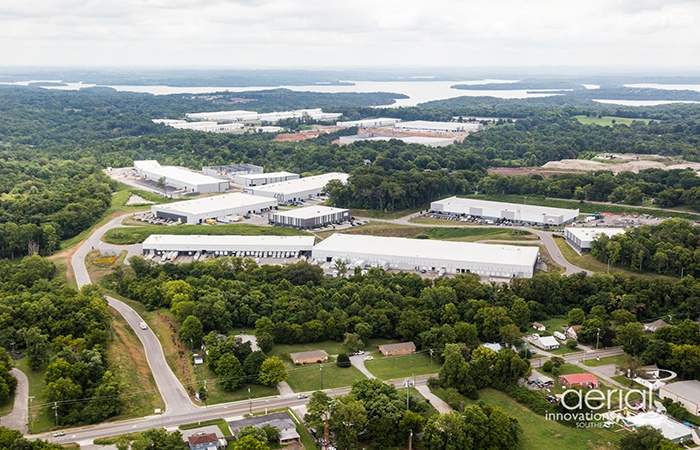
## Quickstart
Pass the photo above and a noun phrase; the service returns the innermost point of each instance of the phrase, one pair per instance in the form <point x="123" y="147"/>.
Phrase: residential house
<point x="572" y="332"/>
<point x="546" y="343"/>
<point x="653" y="326"/>
<point x="309" y="357"/>
<point x="495" y="347"/>
<point x="203" y="441"/>
<point x="404" y="348"/>
<point x="538" y="326"/>
<point x="583" y="380"/>
<point x="281" y="421"/>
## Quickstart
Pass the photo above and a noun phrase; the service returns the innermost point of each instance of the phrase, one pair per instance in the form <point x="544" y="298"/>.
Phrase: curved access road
<point x="176" y="399"/>
<point x="17" y="419"/>
<point x="545" y="239"/>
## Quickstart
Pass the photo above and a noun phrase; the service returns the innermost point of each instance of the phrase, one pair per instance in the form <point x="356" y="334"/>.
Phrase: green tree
<point x="348" y="418"/>
<point x="191" y="332"/>
<point x="265" y="342"/>
<point x="646" y="438"/>
<point x="249" y="443"/>
<point x="253" y="362"/>
<point x="272" y="372"/>
<point x="230" y="373"/>
<point x="37" y="346"/>
<point x="318" y="407"/>
<point x="353" y="342"/>
<point x="161" y="184"/>
<point x="631" y="337"/>
<point x="454" y="372"/>
<point x="575" y="317"/>
<point x="254" y="432"/>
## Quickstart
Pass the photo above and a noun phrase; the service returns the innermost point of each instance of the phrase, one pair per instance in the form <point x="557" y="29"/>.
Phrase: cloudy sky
<point x="349" y="33"/>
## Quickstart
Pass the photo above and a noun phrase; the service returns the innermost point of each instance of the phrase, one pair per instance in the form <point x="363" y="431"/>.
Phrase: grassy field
<point x="96" y="271"/>
<point x="308" y="378"/>
<point x="397" y="367"/>
<point x="127" y="360"/>
<point x="554" y="324"/>
<point x="564" y="350"/>
<point x="604" y="361"/>
<point x="331" y="347"/>
<point x="583" y="207"/>
<point x="588" y="262"/>
<point x="465" y="234"/>
<point x="607" y="120"/>
<point x="7" y="406"/>
<point x="134" y="235"/>
<point x="388" y="215"/>
<point x="221" y="423"/>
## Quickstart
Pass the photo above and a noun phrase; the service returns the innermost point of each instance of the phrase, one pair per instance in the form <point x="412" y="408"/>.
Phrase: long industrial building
<point x="216" y="207"/>
<point x="421" y="140"/>
<point x="418" y="254"/>
<point x="261" y="179"/>
<point x="538" y="215"/>
<point x="252" y="116"/>
<point x="368" y="123"/>
<point x="582" y="238"/>
<point x="309" y="217"/>
<point x="158" y="244"/>
<point x="208" y="126"/>
<point x="295" y="190"/>
<point x="230" y="171"/>
<point x="180" y="178"/>
<point x="439" y="127"/>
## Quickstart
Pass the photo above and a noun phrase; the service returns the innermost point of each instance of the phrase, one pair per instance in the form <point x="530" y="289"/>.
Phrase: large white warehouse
<point x="300" y="189"/>
<point x="216" y="207"/>
<point x="252" y="116"/>
<point x="368" y="123"/>
<point x="260" y="179"/>
<point x="417" y="254"/>
<point x="309" y="217"/>
<point x="211" y="127"/>
<point x="441" y="127"/>
<point x="581" y="238"/>
<point x="231" y="171"/>
<point x="539" y="215"/>
<point x="180" y="178"/>
<point x="228" y="245"/>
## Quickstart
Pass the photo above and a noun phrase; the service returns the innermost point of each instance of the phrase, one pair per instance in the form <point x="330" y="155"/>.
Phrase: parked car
<point x="352" y="354"/>
<point x="360" y="352"/>
<point x="369" y="358"/>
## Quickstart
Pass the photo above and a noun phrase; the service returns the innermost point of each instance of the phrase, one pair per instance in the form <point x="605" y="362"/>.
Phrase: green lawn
<point x="221" y="423"/>
<point x="414" y="393"/>
<point x="554" y="324"/>
<point x="567" y="369"/>
<point x="331" y="347"/>
<point x="604" y="361"/>
<point x="564" y="350"/>
<point x="388" y="215"/>
<point x="134" y="235"/>
<point x="404" y="366"/>
<point x="308" y="378"/>
<point x="607" y="120"/>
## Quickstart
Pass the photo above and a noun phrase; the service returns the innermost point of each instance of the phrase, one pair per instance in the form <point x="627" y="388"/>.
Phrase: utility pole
<point x="250" y="403"/>
<point x="55" y="409"/>
<point x="206" y="393"/>
<point x="410" y="440"/>
<point x="431" y="361"/>
<point x="31" y="418"/>
<point x="597" y="339"/>
<point x="325" y="433"/>
<point x="408" y="388"/>
<point x="321" y="376"/>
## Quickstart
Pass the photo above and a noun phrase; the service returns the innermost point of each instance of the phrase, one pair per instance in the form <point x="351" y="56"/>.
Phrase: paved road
<point x="359" y="362"/>
<point x="576" y="357"/>
<point x="174" y="395"/>
<point x="437" y="402"/>
<point x="228" y="411"/>
<point x="17" y="419"/>
<point x="545" y="239"/>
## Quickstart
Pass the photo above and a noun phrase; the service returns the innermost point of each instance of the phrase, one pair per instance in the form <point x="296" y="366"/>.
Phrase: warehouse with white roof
<point x="438" y="127"/>
<point x="295" y="190"/>
<point x="309" y="217"/>
<point x="582" y="238"/>
<point x="252" y="116"/>
<point x="290" y="246"/>
<point x="368" y="123"/>
<point x="216" y="207"/>
<point x="261" y="179"/>
<point x="538" y="215"/>
<point x="180" y="178"/>
<point x="418" y="254"/>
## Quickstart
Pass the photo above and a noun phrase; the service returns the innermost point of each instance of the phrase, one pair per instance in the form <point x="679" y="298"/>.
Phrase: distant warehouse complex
<point x="538" y="215"/>
<point x="252" y="116"/>
<point x="417" y="254"/>
<point x="440" y="127"/>
<point x="180" y="178"/>
<point x="289" y="246"/>
<point x="261" y="179"/>
<point x="582" y="238"/>
<point x="310" y="217"/>
<point x="295" y="190"/>
<point x="217" y="208"/>
<point x="368" y="123"/>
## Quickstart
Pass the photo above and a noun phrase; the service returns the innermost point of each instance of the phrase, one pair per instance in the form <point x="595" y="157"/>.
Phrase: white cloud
<point x="349" y="33"/>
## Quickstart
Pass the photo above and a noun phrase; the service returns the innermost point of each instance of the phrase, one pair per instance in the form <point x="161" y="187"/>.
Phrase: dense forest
<point x="64" y="329"/>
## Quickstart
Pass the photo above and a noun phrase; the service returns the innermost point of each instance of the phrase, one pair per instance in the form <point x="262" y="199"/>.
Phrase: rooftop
<point x="689" y="390"/>
<point x="200" y="439"/>
<point x="575" y="378"/>
<point x="399" y="346"/>
<point x="589" y="234"/>
<point x="310" y="212"/>
<point x="431" y="249"/>
<point x="214" y="203"/>
<point x="180" y="174"/>
<point x="232" y="241"/>
<point x="669" y="428"/>
<point x="302" y="184"/>
<point x="494" y="347"/>
<point x="524" y="209"/>
<point x="280" y="420"/>
<point x="266" y="175"/>
<point x="310" y="354"/>
<point x="548" y="341"/>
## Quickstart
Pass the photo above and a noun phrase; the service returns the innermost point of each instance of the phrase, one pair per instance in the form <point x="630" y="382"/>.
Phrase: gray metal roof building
<point x="309" y="217"/>
<point x="261" y="179"/>
<point x="216" y="207"/>
<point x="180" y="178"/>
<point x="230" y="171"/>
<point x="226" y="245"/>
<point x="582" y="238"/>
<point x="685" y="392"/>
<point x="540" y="215"/>
<point x="417" y="254"/>
<point x="300" y="189"/>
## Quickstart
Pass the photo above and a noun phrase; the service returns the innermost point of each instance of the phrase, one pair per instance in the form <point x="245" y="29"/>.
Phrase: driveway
<point x="17" y="419"/>
<point x="358" y="361"/>
<point x="441" y="406"/>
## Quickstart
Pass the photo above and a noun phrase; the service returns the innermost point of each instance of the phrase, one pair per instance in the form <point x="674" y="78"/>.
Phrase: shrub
<point x="572" y="343"/>
<point x="343" y="360"/>
<point x="433" y="382"/>
<point x="547" y="366"/>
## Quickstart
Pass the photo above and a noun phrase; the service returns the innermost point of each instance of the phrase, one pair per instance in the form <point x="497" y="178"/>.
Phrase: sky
<point x="349" y="33"/>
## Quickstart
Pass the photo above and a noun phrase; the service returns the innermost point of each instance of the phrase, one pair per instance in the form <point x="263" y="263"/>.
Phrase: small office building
<point x="299" y="189"/>
<point x="403" y="348"/>
<point x="216" y="207"/>
<point x="309" y="217"/>
<point x="309" y="357"/>
<point x="582" y="238"/>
